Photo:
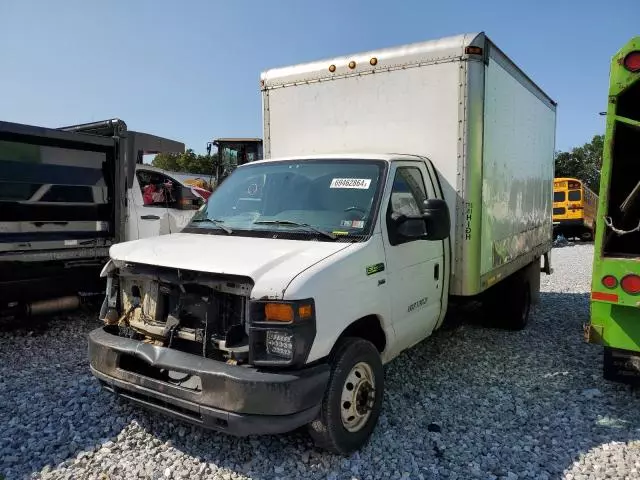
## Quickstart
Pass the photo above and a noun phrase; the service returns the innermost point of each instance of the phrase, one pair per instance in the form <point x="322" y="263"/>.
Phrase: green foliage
<point x="583" y="163"/>
<point x="188" y="162"/>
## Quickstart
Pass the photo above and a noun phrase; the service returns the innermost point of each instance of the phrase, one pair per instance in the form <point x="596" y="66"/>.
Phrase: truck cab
<point x="261" y="283"/>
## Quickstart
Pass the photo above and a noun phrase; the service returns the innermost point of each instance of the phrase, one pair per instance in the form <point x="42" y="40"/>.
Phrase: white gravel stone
<point x="472" y="402"/>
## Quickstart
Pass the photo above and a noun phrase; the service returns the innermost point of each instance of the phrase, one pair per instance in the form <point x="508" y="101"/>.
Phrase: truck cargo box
<point x="459" y="101"/>
<point x="63" y="203"/>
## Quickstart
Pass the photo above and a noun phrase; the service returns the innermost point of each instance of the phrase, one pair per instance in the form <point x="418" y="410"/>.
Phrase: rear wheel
<point x="508" y="305"/>
<point x="353" y="399"/>
<point x="586" y="236"/>
<point x="519" y="306"/>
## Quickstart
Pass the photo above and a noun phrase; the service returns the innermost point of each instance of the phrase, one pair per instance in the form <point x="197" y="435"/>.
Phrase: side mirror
<point x="188" y="201"/>
<point x="409" y="227"/>
<point x="433" y="224"/>
<point x="437" y="219"/>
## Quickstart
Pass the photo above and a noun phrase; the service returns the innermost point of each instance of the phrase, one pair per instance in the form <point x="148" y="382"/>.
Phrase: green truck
<point x="615" y="290"/>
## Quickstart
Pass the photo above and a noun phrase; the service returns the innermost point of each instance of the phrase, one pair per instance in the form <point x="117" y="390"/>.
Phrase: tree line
<point x="583" y="163"/>
<point x="187" y="162"/>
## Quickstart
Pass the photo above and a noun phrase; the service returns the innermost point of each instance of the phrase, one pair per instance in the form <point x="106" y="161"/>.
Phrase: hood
<point x="270" y="263"/>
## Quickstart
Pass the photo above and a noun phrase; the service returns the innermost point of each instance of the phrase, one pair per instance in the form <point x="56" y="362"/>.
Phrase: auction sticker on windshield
<point x="352" y="223"/>
<point x="361" y="183"/>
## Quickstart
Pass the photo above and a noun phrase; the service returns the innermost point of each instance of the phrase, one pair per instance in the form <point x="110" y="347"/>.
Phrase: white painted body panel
<point x="481" y="121"/>
<point x="410" y="274"/>
<point x="330" y="273"/>
<point x="342" y="291"/>
<point x="349" y="118"/>
<point x="271" y="263"/>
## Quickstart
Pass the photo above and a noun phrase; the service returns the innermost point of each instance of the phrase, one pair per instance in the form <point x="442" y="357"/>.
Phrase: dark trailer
<point x="63" y="203"/>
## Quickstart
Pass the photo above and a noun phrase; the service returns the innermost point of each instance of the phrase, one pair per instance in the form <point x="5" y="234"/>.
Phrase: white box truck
<point x="395" y="183"/>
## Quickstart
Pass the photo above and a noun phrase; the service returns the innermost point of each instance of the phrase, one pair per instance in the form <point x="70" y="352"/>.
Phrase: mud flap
<point x="622" y="366"/>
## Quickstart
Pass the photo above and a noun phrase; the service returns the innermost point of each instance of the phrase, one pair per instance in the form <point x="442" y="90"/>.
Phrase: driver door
<point x="414" y="265"/>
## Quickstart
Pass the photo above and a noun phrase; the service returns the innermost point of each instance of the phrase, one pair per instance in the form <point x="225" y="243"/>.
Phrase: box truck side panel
<point x="408" y="111"/>
<point x="518" y="169"/>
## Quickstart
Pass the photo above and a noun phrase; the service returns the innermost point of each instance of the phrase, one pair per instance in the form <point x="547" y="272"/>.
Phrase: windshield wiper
<point x="297" y="224"/>
<point x="217" y="223"/>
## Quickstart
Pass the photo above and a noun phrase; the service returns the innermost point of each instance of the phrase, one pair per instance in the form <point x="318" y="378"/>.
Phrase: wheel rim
<point x="358" y="395"/>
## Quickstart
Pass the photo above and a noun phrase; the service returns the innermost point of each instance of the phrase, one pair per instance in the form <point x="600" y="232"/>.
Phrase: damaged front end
<point x="194" y="346"/>
<point x="193" y="312"/>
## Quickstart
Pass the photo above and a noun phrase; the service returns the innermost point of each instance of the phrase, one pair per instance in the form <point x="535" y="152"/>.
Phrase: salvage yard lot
<point x="468" y="403"/>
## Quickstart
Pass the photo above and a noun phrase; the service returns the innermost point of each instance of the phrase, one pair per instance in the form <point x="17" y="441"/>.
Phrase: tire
<point x="508" y="305"/>
<point x="337" y="428"/>
<point x="519" y="306"/>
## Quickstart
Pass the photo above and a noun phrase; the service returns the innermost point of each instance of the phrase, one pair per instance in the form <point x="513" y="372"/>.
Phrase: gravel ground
<point x="468" y="403"/>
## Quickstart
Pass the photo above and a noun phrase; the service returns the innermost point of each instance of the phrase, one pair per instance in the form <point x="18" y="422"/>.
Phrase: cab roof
<point x="386" y="157"/>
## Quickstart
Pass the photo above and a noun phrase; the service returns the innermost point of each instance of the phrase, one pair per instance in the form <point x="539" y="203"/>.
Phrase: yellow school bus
<point x="574" y="209"/>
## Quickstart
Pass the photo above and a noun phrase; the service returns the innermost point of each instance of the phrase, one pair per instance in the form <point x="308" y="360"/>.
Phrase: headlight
<point x="281" y="333"/>
<point x="280" y="344"/>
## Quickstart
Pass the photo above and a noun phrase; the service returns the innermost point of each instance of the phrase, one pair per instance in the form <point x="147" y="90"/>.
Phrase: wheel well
<point x="368" y="328"/>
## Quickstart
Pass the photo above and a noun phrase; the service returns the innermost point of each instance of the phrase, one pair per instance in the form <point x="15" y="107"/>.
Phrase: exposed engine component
<point x="194" y="313"/>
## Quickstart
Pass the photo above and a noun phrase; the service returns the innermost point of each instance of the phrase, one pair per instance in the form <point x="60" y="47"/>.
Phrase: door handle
<point x="436" y="271"/>
<point x="150" y="217"/>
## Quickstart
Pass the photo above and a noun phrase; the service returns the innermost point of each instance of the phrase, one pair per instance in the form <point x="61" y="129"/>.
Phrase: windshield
<point x="303" y="199"/>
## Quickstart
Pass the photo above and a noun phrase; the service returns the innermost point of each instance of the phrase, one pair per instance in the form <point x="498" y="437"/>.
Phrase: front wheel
<point x="353" y="398"/>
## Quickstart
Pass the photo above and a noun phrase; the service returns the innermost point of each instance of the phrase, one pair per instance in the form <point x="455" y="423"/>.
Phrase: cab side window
<point x="157" y="189"/>
<point x="408" y="196"/>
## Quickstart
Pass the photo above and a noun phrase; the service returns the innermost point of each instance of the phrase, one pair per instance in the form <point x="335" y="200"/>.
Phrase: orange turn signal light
<point x="278" y="312"/>
<point x="305" y="311"/>
<point x="471" y="50"/>
<point x="284" y="312"/>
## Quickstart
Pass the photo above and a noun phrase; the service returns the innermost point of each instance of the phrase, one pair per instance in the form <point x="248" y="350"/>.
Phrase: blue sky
<point x="190" y="70"/>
